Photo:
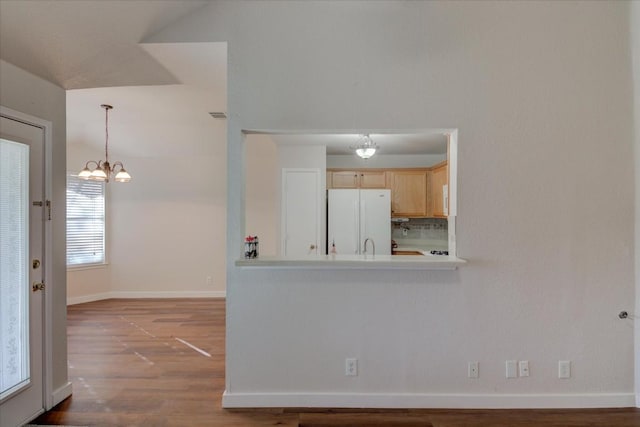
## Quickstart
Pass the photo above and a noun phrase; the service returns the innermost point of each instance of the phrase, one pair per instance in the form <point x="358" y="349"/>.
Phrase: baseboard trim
<point x="88" y="298"/>
<point x="450" y="401"/>
<point x="146" y="294"/>
<point x="637" y="400"/>
<point x="61" y="394"/>
<point x="169" y="294"/>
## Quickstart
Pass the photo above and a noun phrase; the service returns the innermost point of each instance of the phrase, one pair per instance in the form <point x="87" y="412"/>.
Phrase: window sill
<point x="88" y="267"/>
<point x="368" y="262"/>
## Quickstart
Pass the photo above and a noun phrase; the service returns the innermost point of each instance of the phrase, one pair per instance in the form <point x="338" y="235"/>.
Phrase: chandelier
<point x="366" y="147"/>
<point x="102" y="170"/>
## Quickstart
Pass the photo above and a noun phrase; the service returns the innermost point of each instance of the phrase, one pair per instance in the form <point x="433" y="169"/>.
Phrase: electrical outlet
<point x="351" y="367"/>
<point x="474" y="369"/>
<point x="511" y="369"/>
<point x="209" y="280"/>
<point x="523" y="368"/>
<point x="564" y="369"/>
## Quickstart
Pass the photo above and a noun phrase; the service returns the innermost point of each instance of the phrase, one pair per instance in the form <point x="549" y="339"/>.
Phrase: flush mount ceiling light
<point x="102" y="170"/>
<point x="365" y="147"/>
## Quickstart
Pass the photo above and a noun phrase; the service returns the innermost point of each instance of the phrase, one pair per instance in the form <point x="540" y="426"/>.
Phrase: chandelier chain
<point x="106" y="132"/>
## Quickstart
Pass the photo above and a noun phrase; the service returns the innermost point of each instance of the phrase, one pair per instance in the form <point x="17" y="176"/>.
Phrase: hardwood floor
<point x="161" y="363"/>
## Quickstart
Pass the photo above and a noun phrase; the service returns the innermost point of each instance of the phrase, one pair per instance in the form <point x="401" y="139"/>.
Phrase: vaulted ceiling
<point x="88" y="43"/>
<point x="92" y="44"/>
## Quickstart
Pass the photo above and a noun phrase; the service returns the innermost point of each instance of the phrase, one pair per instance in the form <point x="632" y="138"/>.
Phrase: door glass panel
<point x="14" y="266"/>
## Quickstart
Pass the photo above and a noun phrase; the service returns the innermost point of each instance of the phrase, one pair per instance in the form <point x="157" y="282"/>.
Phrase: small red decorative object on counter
<point x="251" y="247"/>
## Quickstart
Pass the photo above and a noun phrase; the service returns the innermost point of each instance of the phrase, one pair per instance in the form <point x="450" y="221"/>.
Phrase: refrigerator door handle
<point x="356" y="238"/>
<point x="363" y="221"/>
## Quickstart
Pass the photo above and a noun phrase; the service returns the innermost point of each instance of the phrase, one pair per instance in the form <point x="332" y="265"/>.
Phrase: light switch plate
<point x="511" y="368"/>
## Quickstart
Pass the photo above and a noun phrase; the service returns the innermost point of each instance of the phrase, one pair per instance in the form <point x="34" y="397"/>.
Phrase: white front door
<point x="22" y="208"/>
<point x="301" y="212"/>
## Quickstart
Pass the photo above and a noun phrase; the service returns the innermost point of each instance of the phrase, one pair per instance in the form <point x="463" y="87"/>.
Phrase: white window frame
<point x="103" y="262"/>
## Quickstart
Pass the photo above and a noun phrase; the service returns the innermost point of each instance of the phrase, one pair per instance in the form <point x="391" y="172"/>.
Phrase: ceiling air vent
<point x="218" y="115"/>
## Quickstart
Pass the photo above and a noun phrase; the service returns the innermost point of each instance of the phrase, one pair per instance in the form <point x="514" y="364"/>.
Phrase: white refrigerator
<point x="357" y="215"/>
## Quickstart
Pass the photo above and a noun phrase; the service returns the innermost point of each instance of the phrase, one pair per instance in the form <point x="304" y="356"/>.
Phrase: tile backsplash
<point x="421" y="232"/>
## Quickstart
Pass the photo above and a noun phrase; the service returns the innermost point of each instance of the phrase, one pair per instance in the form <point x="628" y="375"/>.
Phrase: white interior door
<point x="301" y="212"/>
<point x="21" y="267"/>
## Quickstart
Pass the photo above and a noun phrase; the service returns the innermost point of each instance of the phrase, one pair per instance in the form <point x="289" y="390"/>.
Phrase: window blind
<point x="14" y="261"/>
<point x="85" y="221"/>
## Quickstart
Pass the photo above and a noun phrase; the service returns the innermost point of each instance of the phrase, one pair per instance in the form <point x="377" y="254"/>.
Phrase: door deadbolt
<point x="36" y="263"/>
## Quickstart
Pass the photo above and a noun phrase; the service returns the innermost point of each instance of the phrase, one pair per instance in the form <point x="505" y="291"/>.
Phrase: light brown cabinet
<point x="373" y="179"/>
<point x="356" y="179"/>
<point x="343" y="179"/>
<point x="439" y="191"/>
<point x="409" y="193"/>
<point x="415" y="193"/>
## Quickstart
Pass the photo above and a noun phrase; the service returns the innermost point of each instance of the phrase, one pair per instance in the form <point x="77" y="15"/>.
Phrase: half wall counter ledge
<point x="354" y="262"/>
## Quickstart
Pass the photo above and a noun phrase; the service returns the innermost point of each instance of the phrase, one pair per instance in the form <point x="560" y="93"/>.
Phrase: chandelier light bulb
<point x="85" y="173"/>
<point x="365" y="153"/>
<point x="99" y="174"/>
<point x="123" y="176"/>
<point x="366" y="148"/>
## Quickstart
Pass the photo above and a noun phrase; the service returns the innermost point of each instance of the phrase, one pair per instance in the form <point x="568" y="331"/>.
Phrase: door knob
<point x="37" y="286"/>
<point x="312" y="246"/>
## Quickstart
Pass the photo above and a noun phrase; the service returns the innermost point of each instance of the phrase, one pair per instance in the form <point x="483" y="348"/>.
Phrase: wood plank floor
<point x="161" y="363"/>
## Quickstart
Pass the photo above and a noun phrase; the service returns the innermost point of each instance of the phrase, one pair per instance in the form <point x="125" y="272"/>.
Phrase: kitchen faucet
<point x="373" y="244"/>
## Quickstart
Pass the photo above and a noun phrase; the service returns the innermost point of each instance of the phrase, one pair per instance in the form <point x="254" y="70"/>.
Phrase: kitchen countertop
<point x="383" y="262"/>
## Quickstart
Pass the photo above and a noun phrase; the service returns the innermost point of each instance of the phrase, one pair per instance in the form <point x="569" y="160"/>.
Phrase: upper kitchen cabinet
<point x="356" y="179"/>
<point x="439" y="191"/>
<point x="415" y="192"/>
<point x="342" y="179"/>
<point x="372" y="179"/>
<point x="409" y="193"/>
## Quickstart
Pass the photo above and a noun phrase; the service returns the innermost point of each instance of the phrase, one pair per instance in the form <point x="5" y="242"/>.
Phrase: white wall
<point x="385" y="161"/>
<point x="31" y="95"/>
<point x="166" y="228"/>
<point x="541" y="94"/>
<point x="635" y="49"/>
<point x="299" y="156"/>
<point x="262" y="209"/>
